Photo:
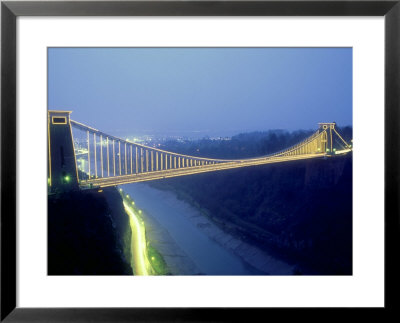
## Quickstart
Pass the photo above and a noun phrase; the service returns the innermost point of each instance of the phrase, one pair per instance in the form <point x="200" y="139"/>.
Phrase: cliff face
<point x="300" y="211"/>
<point x="86" y="234"/>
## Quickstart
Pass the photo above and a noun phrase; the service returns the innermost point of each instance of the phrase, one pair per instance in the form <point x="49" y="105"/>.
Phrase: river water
<point x="190" y="243"/>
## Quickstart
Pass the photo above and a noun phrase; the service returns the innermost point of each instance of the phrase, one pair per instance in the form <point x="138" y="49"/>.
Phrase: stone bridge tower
<point x="327" y="141"/>
<point x="62" y="171"/>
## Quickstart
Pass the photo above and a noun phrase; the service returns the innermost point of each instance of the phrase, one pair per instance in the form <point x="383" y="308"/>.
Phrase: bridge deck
<point x="153" y="175"/>
<point x="105" y="160"/>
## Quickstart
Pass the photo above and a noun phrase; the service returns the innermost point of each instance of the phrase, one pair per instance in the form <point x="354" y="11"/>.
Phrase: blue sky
<point x="202" y="89"/>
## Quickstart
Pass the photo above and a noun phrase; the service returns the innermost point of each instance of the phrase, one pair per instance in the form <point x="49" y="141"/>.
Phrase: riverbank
<point x="189" y="252"/>
<point x="145" y="258"/>
<point x="177" y="261"/>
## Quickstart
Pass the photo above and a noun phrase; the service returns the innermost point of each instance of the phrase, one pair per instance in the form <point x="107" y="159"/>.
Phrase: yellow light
<point x="127" y="196"/>
<point x="120" y="189"/>
<point x="133" y="203"/>
<point x="140" y="211"/>
<point x="140" y="246"/>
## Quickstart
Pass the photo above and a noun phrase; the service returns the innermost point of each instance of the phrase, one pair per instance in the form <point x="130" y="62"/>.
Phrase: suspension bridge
<point x="83" y="157"/>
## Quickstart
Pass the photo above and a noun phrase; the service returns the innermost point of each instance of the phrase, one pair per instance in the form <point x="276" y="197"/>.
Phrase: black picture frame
<point x="10" y="10"/>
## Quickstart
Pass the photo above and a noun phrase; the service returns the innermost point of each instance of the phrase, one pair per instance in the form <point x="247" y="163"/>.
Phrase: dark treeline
<point x="246" y="145"/>
<point x="299" y="211"/>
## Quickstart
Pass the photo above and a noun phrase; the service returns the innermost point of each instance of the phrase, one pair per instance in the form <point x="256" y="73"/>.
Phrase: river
<point x="191" y="244"/>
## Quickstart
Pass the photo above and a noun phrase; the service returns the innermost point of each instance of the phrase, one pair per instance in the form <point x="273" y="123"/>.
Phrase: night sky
<point x="201" y="89"/>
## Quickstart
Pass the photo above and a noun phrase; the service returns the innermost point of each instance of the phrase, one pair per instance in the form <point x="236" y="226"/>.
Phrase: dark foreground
<point x="88" y="234"/>
<point x="299" y="212"/>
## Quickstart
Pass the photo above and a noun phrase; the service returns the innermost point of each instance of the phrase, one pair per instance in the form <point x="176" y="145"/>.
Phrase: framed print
<point x="198" y="160"/>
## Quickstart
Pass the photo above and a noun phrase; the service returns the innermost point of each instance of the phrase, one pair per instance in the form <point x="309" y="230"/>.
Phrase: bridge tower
<point x="327" y="141"/>
<point x="62" y="171"/>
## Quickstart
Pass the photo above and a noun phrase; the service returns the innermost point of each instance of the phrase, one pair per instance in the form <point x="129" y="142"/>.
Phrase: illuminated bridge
<point x="84" y="157"/>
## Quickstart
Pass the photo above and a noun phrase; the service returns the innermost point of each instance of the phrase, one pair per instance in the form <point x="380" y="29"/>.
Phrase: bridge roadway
<point x="151" y="163"/>
<point x="84" y="156"/>
<point x="153" y="175"/>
